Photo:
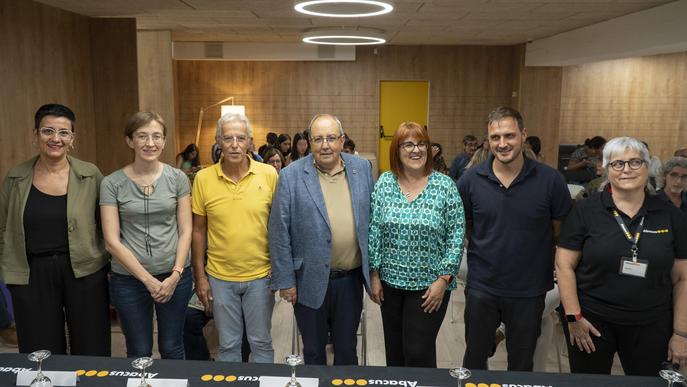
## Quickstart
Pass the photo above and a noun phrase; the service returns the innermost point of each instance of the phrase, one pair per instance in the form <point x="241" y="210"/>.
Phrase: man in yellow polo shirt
<point x="231" y="207"/>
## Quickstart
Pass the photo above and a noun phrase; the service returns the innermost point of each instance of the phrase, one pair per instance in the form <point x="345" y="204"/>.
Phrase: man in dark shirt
<point x="461" y="161"/>
<point x="513" y="207"/>
<point x="675" y="188"/>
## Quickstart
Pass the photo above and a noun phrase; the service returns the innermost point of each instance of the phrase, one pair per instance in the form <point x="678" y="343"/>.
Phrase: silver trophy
<point x="293" y="361"/>
<point x="460" y="374"/>
<point x="671" y="377"/>
<point x="40" y="380"/>
<point x="141" y="364"/>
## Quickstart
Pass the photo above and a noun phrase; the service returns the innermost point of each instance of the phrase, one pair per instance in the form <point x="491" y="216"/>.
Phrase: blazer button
<point x="71" y="228"/>
<point x="326" y="265"/>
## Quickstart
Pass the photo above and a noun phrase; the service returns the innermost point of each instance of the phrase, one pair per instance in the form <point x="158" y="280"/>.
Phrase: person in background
<point x="231" y="207"/>
<point x="284" y="145"/>
<point x="318" y="242"/>
<point x="189" y="159"/>
<point x="675" y="177"/>
<point x="146" y="215"/>
<point x="585" y="156"/>
<point x="534" y="144"/>
<point x="301" y="147"/>
<point x="513" y="208"/>
<point x="415" y="247"/>
<point x="270" y="142"/>
<point x="482" y="153"/>
<point x="52" y="256"/>
<point x="621" y="264"/>
<point x="458" y="164"/>
<point x="438" y="163"/>
<point x="274" y="158"/>
<point x="252" y="153"/>
<point x="349" y="147"/>
<point x="680" y="152"/>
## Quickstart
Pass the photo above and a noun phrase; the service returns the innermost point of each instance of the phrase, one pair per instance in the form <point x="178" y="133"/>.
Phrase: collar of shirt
<point x="343" y="167"/>
<point x="486" y="169"/>
<point x="220" y="172"/>
<point x="650" y="203"/>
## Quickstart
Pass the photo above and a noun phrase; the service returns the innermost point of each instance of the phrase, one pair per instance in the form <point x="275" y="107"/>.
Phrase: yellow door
<point x="399" y="101"/>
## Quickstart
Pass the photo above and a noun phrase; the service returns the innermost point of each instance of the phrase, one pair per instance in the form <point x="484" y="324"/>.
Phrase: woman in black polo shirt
<point x="622" y="272"/>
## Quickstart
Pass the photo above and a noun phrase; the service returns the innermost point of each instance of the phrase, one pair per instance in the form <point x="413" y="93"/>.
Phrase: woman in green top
<point x="415" y="247"/>
<point x="51" y="254"/>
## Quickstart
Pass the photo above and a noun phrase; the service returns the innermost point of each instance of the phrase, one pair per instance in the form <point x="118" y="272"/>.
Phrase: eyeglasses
<point x="677" y="176"/>
<point x="142" y="138"/>
<point x="409" y="146"/>
<point x="319" y="140"/>
<point x="231" y="139"/>
<point x="48" y="132"/>
<point x="619" y="165"/>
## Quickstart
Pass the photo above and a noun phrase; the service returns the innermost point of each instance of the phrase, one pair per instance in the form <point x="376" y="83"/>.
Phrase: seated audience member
<point x="284" y="145"/>
<point x="189" y="159"/>
<point x="458" y="164"/>
<point x="411" y="276"/>
<point x="301" y="147"/>
<point x="584" y="157"/>
<point x="655" y="166"/>
<point x="534" y="144"/>
<point x="274" y="158"/>
<point x="270" y="142"/>
<point x="349" y="147"/>
<point x="145" y="209"/>
<point x="481" y="154"/>
<point x="681" y="152"/>
<point x="622" y="272"/>
<point x="231" y="206"/>
<point x="675" y="177"/>
<point x="438" y="163"/>
<point x="252" y="153"/>
<point x="52" y="256"/>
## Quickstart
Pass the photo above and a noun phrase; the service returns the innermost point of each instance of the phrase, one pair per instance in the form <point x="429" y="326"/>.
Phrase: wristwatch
<point x="573" y="317"/>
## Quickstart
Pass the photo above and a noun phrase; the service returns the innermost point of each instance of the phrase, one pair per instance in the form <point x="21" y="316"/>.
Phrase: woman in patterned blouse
<point x="415" y="247"/>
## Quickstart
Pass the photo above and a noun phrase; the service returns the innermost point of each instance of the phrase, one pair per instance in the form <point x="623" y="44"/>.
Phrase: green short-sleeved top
<point x="119" y="190"/>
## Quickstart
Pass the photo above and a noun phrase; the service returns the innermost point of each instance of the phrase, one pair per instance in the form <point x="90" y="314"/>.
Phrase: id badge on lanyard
<point x="631" y="266"/>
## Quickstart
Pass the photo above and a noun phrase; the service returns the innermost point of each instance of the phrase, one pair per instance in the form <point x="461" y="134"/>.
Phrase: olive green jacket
<point x="86" y="246"/>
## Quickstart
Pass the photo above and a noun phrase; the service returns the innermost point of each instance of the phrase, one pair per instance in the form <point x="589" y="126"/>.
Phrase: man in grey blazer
<point x="318" y="242"/>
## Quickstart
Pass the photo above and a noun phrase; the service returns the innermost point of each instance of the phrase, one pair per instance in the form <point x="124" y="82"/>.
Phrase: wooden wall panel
<point x="42" y="62"/>
<point x="465" y="84"/>
<point x="156" y="83"/>
<point x="115" y="88"/>
<point x="54" y="56"/>
<point x="641" y="97"/>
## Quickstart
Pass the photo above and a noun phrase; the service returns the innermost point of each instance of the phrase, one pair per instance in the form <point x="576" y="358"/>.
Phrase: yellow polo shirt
<point x="237" y="215"/>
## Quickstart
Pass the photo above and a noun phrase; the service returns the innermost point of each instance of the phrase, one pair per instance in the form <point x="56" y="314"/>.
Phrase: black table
<point x="97" y="371"/>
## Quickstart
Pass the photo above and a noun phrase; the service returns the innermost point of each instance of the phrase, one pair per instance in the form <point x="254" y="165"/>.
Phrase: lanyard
<point x="633" y="240"/>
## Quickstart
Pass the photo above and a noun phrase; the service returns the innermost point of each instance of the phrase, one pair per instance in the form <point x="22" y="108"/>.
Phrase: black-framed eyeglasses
<point x="409" y="146"/>
<point x="619" y="165"/>
<point x="319" y="140"/>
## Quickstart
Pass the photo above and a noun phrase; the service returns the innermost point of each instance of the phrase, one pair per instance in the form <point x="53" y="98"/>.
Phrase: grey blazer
<point x="299" y="231"/>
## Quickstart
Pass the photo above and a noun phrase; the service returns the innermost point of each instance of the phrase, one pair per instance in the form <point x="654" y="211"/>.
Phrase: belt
<point x="336" y="273"/>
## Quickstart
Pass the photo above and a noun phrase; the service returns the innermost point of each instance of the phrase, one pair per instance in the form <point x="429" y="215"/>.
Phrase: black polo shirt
<point x="510" y="250"/>
<point x="622" y="299"/>
<point x="683" y="196"/>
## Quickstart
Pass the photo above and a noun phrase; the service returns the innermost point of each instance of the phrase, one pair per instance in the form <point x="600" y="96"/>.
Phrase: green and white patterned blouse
<point x="411" y="244"/>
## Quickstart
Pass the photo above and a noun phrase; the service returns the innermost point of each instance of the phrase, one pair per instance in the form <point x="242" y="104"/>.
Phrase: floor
<point x="450" y="343"/>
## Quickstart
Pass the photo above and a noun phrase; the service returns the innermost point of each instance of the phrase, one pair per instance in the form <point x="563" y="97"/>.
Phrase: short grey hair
<point x="330" y="116"/>
<point x="230" y="117"/>
<point x="621" y="145"/>
<point x="673" y="162"/>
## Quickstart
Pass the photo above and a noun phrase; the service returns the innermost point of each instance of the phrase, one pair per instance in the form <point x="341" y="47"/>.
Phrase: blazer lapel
<point x="312" y="184"/>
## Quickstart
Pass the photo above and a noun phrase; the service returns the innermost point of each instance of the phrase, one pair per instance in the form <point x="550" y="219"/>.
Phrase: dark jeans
<point x="483" y="314"/>
<point x="135" y="305"/>
<point x="5" y="316"/>
<point x="54" y="296"/>
<point x="338" y="314"/>
<point x="641" y="348"/>
<point x="410" y="334"/>
<point x="195" y="345"/>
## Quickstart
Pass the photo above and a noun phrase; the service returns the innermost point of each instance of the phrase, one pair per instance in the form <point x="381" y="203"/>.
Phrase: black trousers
<point x="54" y="296"/>
<point x="339" y="315"/>
<point x="641" y="348"/>
<point x="410" y="334"/>
<point x="483" y="314"/>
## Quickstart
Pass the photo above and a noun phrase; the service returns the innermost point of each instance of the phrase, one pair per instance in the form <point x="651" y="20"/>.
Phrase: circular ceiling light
<point x="344" y="37"/>
<point x="343" y="8"/>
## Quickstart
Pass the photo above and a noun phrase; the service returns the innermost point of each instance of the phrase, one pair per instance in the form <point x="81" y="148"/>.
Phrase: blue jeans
<point x="5" y="316"/>
<point x="134" y="306"/>
<point x="234" y="302"/>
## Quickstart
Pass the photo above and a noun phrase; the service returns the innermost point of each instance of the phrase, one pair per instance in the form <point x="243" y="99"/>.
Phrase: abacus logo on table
<point x="413" y="383"/>
<point x="89" y="373"/>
